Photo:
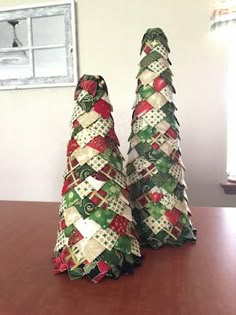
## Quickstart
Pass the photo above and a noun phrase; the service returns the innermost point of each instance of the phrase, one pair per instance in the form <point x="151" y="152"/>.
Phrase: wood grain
<point x="195" y="279"/>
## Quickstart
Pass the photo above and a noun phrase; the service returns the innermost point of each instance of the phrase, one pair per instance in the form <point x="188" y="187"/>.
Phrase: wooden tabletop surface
<point x="195" y="279"/>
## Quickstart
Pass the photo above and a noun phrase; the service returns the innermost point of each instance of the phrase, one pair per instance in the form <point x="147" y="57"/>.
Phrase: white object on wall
<point x="42" y="51"/>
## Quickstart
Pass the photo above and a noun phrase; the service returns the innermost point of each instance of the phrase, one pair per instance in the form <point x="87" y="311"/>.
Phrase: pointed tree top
<point x="93" y="84"/>
<point x="155" y="34"/>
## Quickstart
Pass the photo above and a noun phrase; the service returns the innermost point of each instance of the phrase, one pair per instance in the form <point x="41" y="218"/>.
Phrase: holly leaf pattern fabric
<point x="155" y="169"/>
<point x="96" y="235"/>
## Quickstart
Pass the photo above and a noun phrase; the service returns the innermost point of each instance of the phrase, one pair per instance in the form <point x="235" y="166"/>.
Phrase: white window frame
<point x="67" y="8"/>
<point x="231" y="112"/>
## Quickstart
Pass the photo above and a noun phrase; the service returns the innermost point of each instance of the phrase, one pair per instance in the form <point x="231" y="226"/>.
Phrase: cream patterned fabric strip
<point x="84" y="189"/>
<point x="89" y="118"/>
<point x="169" y="201"/>
<point x="175" y="171"/>
<point x="163" y="126"/>
<point x="76" y="113"/>
<point x="159" y="66"/>
<point x="61" y="240"/>
<point x="167" y="93"/>
<point x="116" y="205"/>
<point x="91" y="249"/>
<point x="71" y="215"/>
<point x="157" y="100"/>
<point x="107" y="238"/>
<point x="100" y="127"/>
<point x="157" y="225"/>
<point x="147" y="76"/>
<point x="153" y="117"/>
<point x="135" y="248"/>
<point x="141" y="163"/>
<point x="83" y="155"/>
<point x="87" y="227"/>
<point x="161" y="50"/>
<point x="62" y="205"/>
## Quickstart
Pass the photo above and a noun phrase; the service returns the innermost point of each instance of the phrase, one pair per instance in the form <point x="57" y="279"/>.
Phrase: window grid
<point x="53" y="9"/>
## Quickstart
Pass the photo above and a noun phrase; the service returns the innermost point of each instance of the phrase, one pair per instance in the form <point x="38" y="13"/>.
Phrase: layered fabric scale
<point x="96" y="236"/>
<point x="155" y="168"/>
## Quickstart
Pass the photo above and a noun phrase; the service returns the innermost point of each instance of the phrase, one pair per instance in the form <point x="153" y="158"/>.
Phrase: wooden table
<point x="195" y="279"/>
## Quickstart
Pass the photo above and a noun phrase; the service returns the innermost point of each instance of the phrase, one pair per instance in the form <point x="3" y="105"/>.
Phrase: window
<point x="37" y="46"/>
<point x="231" y="107"/>
<point x="223" y="21"/>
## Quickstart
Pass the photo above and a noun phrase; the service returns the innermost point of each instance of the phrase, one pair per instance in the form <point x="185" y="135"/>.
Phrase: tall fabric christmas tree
<point x="96" y="235"/>
<point x="155" y="169"/>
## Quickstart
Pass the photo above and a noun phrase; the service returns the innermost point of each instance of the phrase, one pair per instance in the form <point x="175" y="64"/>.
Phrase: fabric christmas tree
<point x="155" y="169"/>
<point x="96" y="235"/>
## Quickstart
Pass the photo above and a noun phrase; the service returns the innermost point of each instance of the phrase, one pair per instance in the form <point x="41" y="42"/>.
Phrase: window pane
<point x="15" y="65"/>
<point x="50" y="62"/>
<point x="48" y="30"/>
<point x="7" y="34"/>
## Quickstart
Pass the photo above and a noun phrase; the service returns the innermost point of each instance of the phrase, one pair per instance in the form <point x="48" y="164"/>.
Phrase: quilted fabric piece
<point x="155" y="169"/>
<point x="96" y="235"/>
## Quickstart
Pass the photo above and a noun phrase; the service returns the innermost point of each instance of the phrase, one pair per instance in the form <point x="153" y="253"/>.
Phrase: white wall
<point x="34" y="123"/>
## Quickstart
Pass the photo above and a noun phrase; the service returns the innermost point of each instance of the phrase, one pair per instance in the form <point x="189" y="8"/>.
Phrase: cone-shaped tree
<point x="96" y="236"/>
<point x="155" y="169"/>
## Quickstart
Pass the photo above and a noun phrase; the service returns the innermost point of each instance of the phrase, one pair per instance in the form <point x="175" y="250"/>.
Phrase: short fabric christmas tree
<point x="96" y="235"/>
<point x="155" y="168"/>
